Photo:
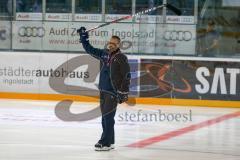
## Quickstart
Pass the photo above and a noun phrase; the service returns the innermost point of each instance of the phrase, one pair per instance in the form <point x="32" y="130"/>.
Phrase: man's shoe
<point x="100" y="147"/>
<point x="97" y="145"/>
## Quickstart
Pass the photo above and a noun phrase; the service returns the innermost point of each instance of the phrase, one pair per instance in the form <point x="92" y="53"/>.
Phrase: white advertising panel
<point x="180" y="19"/>
<point x="28" y="35"/>
<point x="29" y="16"/>
<point x="5" y="35"/>
<point x="88" y="17"/>
<point x="112" y="17"/>
<point x="58" y="16"/>
<point x="30" y="72"/>
<point x="148" y="19"/>
<point x="136" y="38"/>
<point x="176" y="39"/>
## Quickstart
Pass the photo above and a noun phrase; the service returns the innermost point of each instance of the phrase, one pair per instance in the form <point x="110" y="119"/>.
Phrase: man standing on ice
<point x="114" y="84"/>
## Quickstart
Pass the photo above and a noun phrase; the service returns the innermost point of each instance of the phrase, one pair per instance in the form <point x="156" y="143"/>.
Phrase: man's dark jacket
<point x="114" y="69"/>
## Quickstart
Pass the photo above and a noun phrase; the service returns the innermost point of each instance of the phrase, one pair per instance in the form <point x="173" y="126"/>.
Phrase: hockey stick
<point x="169" y="6"/>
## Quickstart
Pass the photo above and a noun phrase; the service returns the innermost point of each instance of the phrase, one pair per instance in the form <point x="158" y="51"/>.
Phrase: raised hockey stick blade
<point x="174" y="9"/>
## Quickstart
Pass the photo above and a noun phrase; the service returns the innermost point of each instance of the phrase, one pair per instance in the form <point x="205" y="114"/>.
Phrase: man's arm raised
<point x="84" y="39"/>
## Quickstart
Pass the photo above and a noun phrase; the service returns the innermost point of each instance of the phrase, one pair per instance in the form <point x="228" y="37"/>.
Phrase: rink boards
<point x="162" y="80"/>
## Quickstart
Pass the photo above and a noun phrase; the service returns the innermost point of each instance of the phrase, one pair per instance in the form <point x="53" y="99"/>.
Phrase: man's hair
<point x="116" y="37"/>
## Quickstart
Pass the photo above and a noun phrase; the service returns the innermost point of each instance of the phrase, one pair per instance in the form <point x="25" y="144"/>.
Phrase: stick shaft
<point x="127" y="17"/>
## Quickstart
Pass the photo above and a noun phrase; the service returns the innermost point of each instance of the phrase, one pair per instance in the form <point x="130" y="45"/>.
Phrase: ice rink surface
<point x="30" y="130"/>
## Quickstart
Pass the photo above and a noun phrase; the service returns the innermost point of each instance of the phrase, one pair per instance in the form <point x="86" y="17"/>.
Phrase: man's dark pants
<point x="108" y="105"/>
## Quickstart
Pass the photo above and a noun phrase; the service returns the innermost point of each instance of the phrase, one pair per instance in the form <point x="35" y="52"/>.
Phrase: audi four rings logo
<point x="177" y="35"/>
<point x="31" y="32"/>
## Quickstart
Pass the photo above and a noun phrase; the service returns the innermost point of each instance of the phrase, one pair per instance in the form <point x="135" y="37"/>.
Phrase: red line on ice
<point x="172" y="134"/>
